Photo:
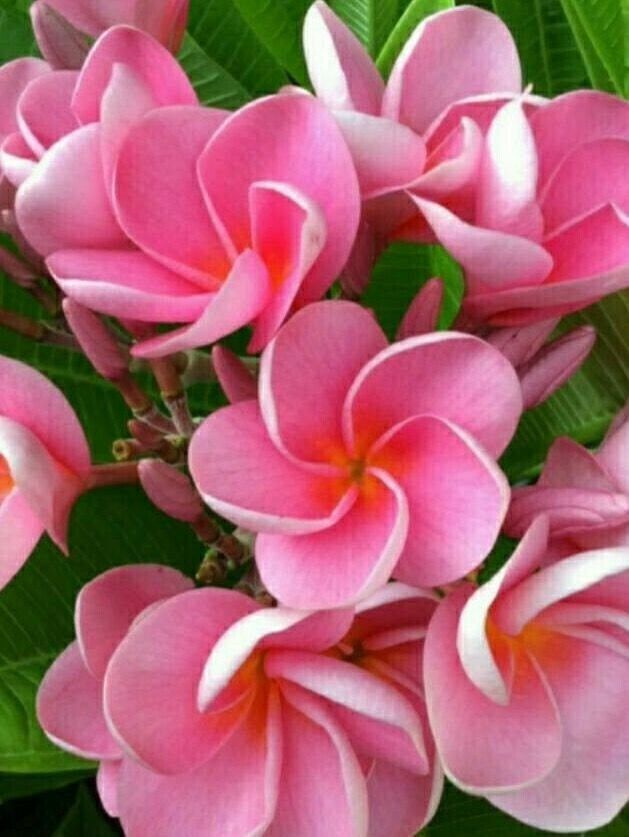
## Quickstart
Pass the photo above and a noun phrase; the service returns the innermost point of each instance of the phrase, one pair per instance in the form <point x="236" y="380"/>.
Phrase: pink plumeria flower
<point x="312" y="721"/>
<point x="585" y="495"/>
<point x="422" y="132"/>
<point x="63" y="27"/>
<point x="544" y="239"/>
<point x="70" y="697"/>
<point x="220" y="222"/>
<point x="526" y="683"/>
<point x="360" y="459"/>
<point x="44" y="464"/>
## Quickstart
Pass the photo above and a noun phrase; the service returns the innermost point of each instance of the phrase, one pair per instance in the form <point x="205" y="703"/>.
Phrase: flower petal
<point x="43" y="112"/>
<point x="20" y="530"/>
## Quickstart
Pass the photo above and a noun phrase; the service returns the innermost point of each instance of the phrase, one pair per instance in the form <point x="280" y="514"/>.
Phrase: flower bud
<point x="236" y="380"/>
<point x="170" y="490"/>
<point x="96" y="340"/>
<point x="63" y="46"/>
<point x="422" y="316"/>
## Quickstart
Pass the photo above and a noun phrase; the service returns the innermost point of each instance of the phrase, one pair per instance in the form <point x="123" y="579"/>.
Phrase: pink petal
<point x="70" y="708"/>
<point x="20" y="530"/>
<point x="44" y="113"/>
<point x="401" y="803"/>
<point x="487" y="62"/>
<point x="64" y="205"/>
<point x="14" y="78"/>
<point x="393" y="606"/>
<point x="107" y="778"/>
<point x="453" y="167"/>
<point x="61" y="44"/>
<point x="342" y="73"/>
<point x="588" y="786"/>
<point x="612" y="454"/>
<point x="17" y="161"/>
<point x="485" y="746"/>
<point x="92" y="16"/>
<point x="454" y="521"/>
<point x="292" y="140"/>
<point x="235" y="379"/>
<point x="422" y="315"/>
<point x="152" y="680"/>
<point x="106" y="607"/>
<point x="154" y="64"/>
<point x="569" y="465"/>
<point x="366" y="543"/>
<point x="555" y="364"/>
<point x="329" y="799"/>
<point x="127" y="283"/>
<point x="306" y="372"/>
<point x="439" y="374"/>
<point x="156" y="179"/>
<point x="238" y="301"/>
<point x="288" y="233"/>
<point x="520" y="345"/>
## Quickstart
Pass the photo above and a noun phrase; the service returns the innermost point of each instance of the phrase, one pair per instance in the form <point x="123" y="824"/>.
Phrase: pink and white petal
<point x="588" y="786"/>
<point x="522" y="603"/>
<point x="306" y="372"/>
<point x="483" y="253"/>
<point x="364" y="544"/>
<point x="15" y="76"/>
<point x="43" y="110"/>
<point x="574" y="119"/>
<point x="127" y="283"/>
<point x="107" y="606"/>
<point x="387" y="155"/>
<point x="400" y="802"/>
<point x="342" y="73"/>
<point x="70" y="708"/>
<point x="20" y="530"/>
<point x="293" y="140"/>
<point x="569" y="195"/>
<point x="236" y="380"/>
<point x="486" y="747"/>
<point x="239" y="300"/>
<point x="30" y="399"/>
<point x="148" y="59"/>
<point x="241" y="474"/>
<point x="332" y="798"/>
<point x="17" y="161"/>
<point x="453" y="522"/>
<point x="438" y="374"/>
<point x="249" y="766"/>
<point x="107" y="779"/>
<point x="507" y="187"/>
<point x="157" y="667"/>
<point x="487" y="60"/>
<point x="378" y="719"/>
<point x="453" y="166"/>
<point x="64" y="204"/>
<point x="278" y="627"/>
<point x="156" y="179"/>
<point x="288" y="233"/>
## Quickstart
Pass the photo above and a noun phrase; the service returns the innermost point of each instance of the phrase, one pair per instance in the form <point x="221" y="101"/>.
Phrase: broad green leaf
<point x="278" y="24"/>
<point x="596" y="69"/>
<point x="415" y="12"/>
<point x="585" y="406"/>
<point x="86" y="817"/>
<point x="215" y="87"/>
<point x="550" y="57"/>
<point x="17" y="786"/>
<point x="17" y="37"/>
<point x="109" y="527"/>
<point x="221" y="31"/>
<point x="370" y="20"/>
<point x="600" y="33"/>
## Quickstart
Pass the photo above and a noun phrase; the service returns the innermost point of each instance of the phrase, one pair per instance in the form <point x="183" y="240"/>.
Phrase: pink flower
<point x="549" y="233"/>
<point x="312" y="722"/>
<point x="44" y="464"/>
<point x="70" y="702"/>
<point x="585" y="495"/>
<point x="526" y="683"/>
<point x="361" y="459"/>
<point x="422" y="133"/>
<point x="61" y="26"/>
<point x="232" y="221"/>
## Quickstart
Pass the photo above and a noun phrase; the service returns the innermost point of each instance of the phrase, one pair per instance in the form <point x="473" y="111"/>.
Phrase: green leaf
<point x="86" y="817"/>
<point x="415" y="12"/>
<point x="278" y="24"/>
<point x="17" y="35"/>
<point x="550" y="57"/>
<point x="215" y="87"/>
<point x="37" y="816"/>
<point x="585" y="406"/>
<point x="16" y="786"/>
<point x="222" y="33"/>
<point x="109" y="527"/>
<point x="370" y="20"/>
<point x="598" y="28"/>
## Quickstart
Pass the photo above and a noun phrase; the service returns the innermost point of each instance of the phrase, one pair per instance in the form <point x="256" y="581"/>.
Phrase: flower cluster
<point x="360" y="657"/>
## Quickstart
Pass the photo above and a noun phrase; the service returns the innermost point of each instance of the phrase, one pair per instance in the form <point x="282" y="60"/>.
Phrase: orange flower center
<point x="6" y="480"/>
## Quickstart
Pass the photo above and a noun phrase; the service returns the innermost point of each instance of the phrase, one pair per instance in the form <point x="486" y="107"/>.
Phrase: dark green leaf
<point x="36" y="817"/>
<point x="415" y="12"/>
<point x="86" y="818"/>
<point x="17" y="35"/>
<point x="16" y="786"/>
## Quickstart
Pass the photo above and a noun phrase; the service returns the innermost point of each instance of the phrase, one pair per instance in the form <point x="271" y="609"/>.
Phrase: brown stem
<point x="22" y="325"/>
<point x="173" y="394"/>
<point x="113" y="473"/>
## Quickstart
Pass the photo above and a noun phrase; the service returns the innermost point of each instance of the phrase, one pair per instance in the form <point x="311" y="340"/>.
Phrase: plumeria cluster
<point x="359" y="658"/>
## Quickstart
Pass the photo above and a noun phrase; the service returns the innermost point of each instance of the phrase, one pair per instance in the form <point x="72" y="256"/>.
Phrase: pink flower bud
<point x="236" y="380"/>
<point x="423" y="312"/>
<point x="554" y="364"/>
<point x="520" y="343"/>
<point x="61" y="44"/>
<point x="96" y="340"/>
<point x="170" y="490"/>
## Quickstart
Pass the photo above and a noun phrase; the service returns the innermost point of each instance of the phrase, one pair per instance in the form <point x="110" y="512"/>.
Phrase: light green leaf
<point x="215" y="87"/>
<point x="598" y="28"/>
<point x="17" y="35"/>
<point x="109" y="527"/>
<point x="370" y="20"/>
<point x="415" y="12"/>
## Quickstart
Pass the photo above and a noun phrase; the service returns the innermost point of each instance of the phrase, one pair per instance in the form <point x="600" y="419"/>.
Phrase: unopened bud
<point x="63" y="46"/>
<point x="519" y="344"/>
<point x="96" y="340"/>
<point x="236" y="380"/>
<point x="170" y="490"/>
<point x="422" y="316"/>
